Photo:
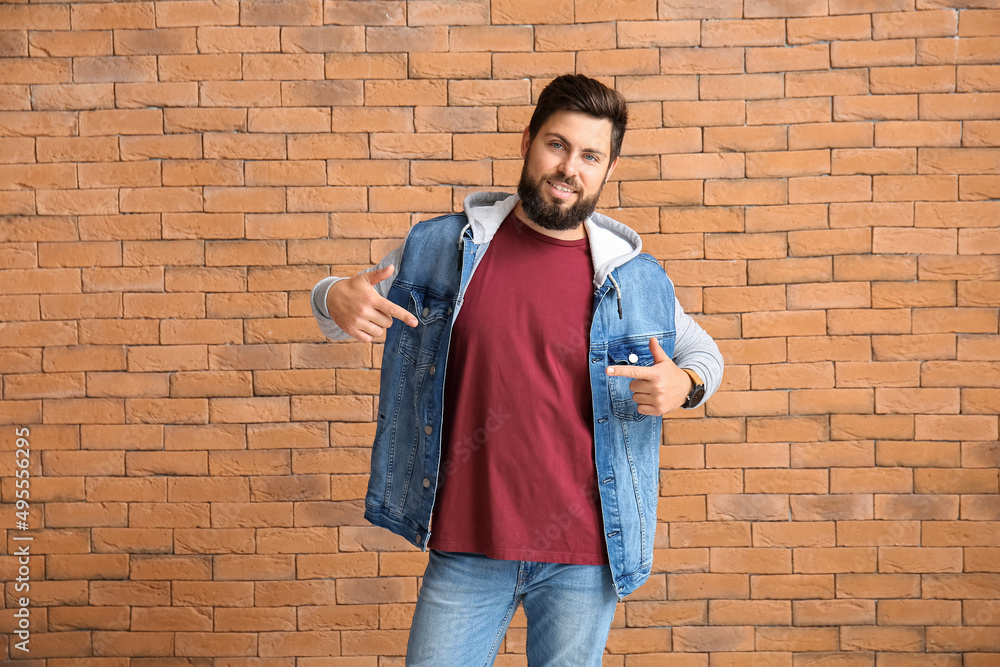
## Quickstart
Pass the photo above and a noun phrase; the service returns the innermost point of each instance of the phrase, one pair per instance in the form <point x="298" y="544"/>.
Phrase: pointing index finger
<point x="638" y="372"/>
<point x="398" y="312"/>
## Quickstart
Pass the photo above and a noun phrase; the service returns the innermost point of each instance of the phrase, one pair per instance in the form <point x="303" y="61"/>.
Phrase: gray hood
<point x="611" y="243"/>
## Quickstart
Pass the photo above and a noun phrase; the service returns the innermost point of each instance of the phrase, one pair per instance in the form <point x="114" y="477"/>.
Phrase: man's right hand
<point x="360" y="311"/>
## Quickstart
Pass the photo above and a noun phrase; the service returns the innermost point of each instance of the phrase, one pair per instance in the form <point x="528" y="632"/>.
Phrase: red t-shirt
<point x="518" y="479"/>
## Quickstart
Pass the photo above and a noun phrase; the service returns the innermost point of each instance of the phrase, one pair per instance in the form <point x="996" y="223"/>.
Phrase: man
<point x="530" y="350"/>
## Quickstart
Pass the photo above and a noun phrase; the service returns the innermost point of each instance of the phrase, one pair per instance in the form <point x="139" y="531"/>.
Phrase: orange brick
<point x="854" y="427"/>
<point x="792" y="586"/>
<point x="834" y="82"/>
<point x="919" y="188"/>
<point x="195" y="13"/>
<point x="788" y="111"/>
<point x="830" y="135"/>
<point x="837" y="560"/>
<point x="915" y="506"/>
<point x="78" y="42"/>
<point x="878" y="586"/>
<point x="807" y="190"/>
<point x="797" y="163"/>
<point x="978" y="23"/>
<point x="968" y="50"/>
<point x="281" y="12"/>
<point x="959" y="161"/>
<point x="114" y="69"/>
<point x="725" y="60"/>
<point x="449" y="65"/>
<point x="469" y="12"/>
<point x="162" y="41"/>
<point x="834" y="612"/>
<point x="664" y="140"/>
<point x="492" y="93"/>
<point x="919" y="454"/>
<point x="878" y="533"/>
<point x="788" y="481"/>
<point x="288" y="120"/>
<point x="833" y="28"/>
<point x="741" y="86"/>
<point x="519" y="12"/>
<point x="106" y="175"/>
<point x="703" y="113"/>
<point x="874" y="161"/>
<point x="175" y="199"/>
<point x="896" y="639"/>
<point x="738" y="299"/>
<point x="785" y="58"/>
<point x="78" y="149"/>
<point x="380" y="12"/>
<point x="795" y="639"/>
<point x="240" y="93"/>
<point x="16" y="150"/>
<point x="494" y="38"/>
<point x="923" y="79"/>
<point x="902" y="24"/>
<point x="880" y="53"/>
<point x="748" y="507"/>
<point x="83" y="96"/>
<point x="723" y="638"/>
<point x="833" y="401"/>
<point x="745" y="139"/>
<point x="736" y="192"/>
<point x="831" y="507"/>
<point x="213" y="39"/>
<point x="959" y="106"/>
<point x="973" y="78"/>
<point x="647" y="33"/>
<point x="882" y="107"/>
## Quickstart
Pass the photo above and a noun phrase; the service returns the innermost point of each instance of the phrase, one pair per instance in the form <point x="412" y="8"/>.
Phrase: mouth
<point x="560" y="190"/>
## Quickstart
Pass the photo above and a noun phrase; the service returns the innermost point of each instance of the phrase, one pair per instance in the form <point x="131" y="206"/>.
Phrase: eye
<point x="591" y="158"/>
<point x="556" y="145"/>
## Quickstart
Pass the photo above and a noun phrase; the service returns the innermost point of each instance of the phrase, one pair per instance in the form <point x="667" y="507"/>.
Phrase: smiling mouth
<point x="561" y="188"/>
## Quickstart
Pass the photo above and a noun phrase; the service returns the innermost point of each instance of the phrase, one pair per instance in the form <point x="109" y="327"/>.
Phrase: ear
<point x="610" y="169"/>
<point x="525" y="142"/>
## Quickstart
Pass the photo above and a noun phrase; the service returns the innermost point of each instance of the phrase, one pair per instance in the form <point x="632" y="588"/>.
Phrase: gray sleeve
<point x="695" y="349"/>
<point x="319" y="292"/>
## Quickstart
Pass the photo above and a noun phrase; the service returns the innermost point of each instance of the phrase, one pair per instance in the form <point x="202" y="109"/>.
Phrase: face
<point x="565" y="169"/>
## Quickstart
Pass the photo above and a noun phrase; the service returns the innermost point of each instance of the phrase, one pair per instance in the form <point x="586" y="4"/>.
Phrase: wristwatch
<point x="697" y="391"/>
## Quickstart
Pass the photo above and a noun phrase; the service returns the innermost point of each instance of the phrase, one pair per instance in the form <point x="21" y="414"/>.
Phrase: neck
<point x="574" y="234"/>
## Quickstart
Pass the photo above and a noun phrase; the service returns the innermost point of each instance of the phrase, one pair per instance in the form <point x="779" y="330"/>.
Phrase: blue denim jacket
<point x="633" y="301"/>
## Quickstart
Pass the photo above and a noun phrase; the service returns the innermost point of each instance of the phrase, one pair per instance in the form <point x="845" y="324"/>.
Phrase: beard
<point x="553" y="215"/>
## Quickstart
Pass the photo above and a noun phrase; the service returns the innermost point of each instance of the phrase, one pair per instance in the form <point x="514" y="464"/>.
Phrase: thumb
<point x="375" y="277"/>
<point x="658" y="354"/>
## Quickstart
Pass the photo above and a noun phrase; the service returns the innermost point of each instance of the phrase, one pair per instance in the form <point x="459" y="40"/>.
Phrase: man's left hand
<point x="659" y="388"/>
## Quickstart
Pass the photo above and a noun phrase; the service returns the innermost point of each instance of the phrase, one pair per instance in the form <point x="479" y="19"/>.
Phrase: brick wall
<point x="820" y="177"/>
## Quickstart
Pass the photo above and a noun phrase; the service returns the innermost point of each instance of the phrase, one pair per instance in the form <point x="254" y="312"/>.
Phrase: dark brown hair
<point x="576" y="92"/>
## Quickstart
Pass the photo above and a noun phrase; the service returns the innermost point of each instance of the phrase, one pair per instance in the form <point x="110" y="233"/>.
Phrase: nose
<point x="569" y="166"/>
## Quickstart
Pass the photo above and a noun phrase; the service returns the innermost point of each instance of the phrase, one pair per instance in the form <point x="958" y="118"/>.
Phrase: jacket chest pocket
<point x="419" y="344"/>
<point x="632" y="353"/>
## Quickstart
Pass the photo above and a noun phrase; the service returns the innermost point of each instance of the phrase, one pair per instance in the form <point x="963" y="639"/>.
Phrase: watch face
<point x="694" y="398"/>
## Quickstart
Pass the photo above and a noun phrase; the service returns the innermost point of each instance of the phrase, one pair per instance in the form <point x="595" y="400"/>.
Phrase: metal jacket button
<point x="427" y="311"/>
<point x="428" y="430"/>
<point x="632" y="358"/>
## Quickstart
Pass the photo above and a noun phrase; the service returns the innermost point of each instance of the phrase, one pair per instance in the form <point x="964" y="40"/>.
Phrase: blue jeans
<point x="467" y="601"/>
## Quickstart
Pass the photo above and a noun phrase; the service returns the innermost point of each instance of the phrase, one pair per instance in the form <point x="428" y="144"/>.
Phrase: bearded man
<point x="530" y="351"/>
